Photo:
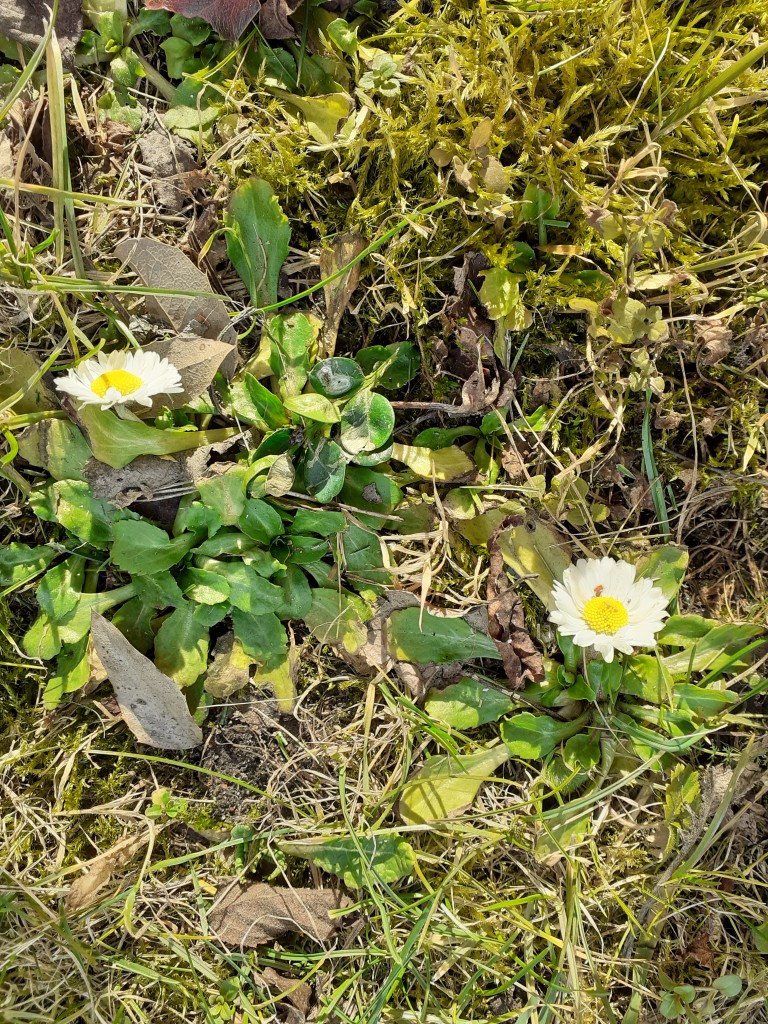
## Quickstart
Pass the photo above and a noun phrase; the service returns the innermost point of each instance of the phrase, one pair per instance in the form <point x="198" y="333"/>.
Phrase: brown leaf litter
<point x="506" y="621"/>
<point x="261" y="913"/>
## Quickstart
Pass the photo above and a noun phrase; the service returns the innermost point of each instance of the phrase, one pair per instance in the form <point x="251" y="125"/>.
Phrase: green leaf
<point x="666" y="566"/>
<point x="670" y="1006"/>
<point x="533" y="737"/>
<point x="195" y="517"/>
<point x="181" y="644"/>
<point x="309" y="520"/>
<point x="291" y="337"/>
<point x="338" y="618"/>
<point x="228" y="542"/>
<point x="467" y="704"/>
<point x="225" y="494"/>
<point x="257" y="239"/>
<point x="263" y="637"/>
<point x="142" y="548"/>
<point x="71" y="504"/>
<point x="713" y="651"/>
<point x="385" y="856"/>
<point x="134" y="619"/>
<point x="117" y="442"/>
<point x="72" y="673"/>
<point x="268" y="407"/>
<point x="343" y="36"/>
<point x="582" y="751"/>
<point x="446" y="785"/>
<point x="297" y="595"/>
<point x="394" y="365"/>
<point x="500" y="292"/>
<point x="58" y="446"/>
<point x="702" y="701"/>
<point x="363" y="558"/>
<point x="605" y="678"/>
<point x="248" y="591"/>
<point x="20" y="563"/>
<point x="204" y="587"/>
<point x="760" y="936"/>
<point x="194" y="30"/>
<point x="442" y="437"/>
<point x="260" y="521"/>
<point x="60" y="588"/>
<point x="730" y="985"/>
<point x="646" y="676"/>
<point x="324" y="469"/>
<point x="336" y="377"/>
<point x="367" y="489"/>
<point x="685" y="630"/>
<point x="313" y="407"/>
<point x="416" y="635"/>
<point x="367" y="422"/>
<point x="158" y="592"/>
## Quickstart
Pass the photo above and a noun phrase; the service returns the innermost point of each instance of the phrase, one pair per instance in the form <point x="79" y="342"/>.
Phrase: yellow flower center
<point x="605" y="615"/>
<point x="125" y="382"/>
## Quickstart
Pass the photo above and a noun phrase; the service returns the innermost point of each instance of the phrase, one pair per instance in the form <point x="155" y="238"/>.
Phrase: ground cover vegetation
<point x="382" y="581"/>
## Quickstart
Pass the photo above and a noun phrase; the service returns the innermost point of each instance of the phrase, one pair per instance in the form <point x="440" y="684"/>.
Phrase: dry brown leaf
<point x="506" y="621"/>
<point x="338" y="293"/>
<point x="197" y="360"/>
<point x="100" y="870"/>
<point x="23" y="22"/>
<point x="169" y="159"/>
<point x="714" y="341"/>
<point x="297" y="992"/>
<point x="262" y="913"/>
<point x="152" y="705"/>
<point x="165" y="266"/>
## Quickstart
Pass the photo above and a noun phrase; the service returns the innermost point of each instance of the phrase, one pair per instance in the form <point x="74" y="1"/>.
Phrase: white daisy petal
<point x="121" y="378"/>
<point x="601" y="604"/>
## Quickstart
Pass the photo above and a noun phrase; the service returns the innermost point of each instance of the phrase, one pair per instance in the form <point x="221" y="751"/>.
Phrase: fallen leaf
<point x="228" y="17"/>
<point x="165" y="266"/>
<point x="152" y="706"/>
<point x="197" y="360"/>
<point x="169" y="160"/>
<point x="23" y="21"/>
<point x="298" y="993"/>
<point x="100" y="870"/>
<point x="713" y="339"/>
<point x="345" y="249"/>
<point x="262" y="913"/>
<point x="506" y="621"/>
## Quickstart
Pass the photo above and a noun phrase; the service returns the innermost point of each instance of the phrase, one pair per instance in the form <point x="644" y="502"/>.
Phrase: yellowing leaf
<point x="446" y="785"/>
<point x="443" y="464"/>
<point x="536" y="550"/>
<point x="323" y="113"/>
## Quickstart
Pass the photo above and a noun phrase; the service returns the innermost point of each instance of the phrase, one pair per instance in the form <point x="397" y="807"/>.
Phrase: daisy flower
<point x="118" y="378"/>
<point x="601" y="604"/>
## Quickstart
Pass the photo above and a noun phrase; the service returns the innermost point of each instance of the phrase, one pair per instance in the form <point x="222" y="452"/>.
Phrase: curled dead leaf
<point x="100" y="870"/>
<point x="506" y="621"/>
